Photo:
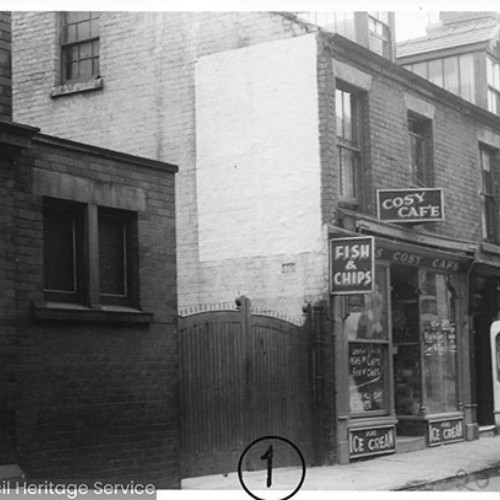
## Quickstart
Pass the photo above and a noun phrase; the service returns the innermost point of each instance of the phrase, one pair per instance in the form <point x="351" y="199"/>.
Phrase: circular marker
<point x="267" y="451"/>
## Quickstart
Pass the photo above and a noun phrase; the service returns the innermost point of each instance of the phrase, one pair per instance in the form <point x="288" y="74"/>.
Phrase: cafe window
<point x="71" y="233"/>
<point x="488" y="199"/>
<point x="79" y="46"/>
<point x="379" y="33"/>
<point x="420" y="134"/>
<point x="366" y="328"/>
<point x="347" y="106"/>
<point x="439" y="337"/>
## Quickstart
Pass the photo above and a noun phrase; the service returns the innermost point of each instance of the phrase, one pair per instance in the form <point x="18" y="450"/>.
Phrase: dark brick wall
<point x="5" y="66"/>
<point x="90" y="401"/>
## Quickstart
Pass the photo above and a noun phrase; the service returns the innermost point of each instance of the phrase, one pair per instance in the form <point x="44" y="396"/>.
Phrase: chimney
<point x="5" y="67"/>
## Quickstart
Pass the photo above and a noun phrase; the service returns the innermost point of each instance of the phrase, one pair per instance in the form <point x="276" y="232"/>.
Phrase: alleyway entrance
<point x="243" y="376"/>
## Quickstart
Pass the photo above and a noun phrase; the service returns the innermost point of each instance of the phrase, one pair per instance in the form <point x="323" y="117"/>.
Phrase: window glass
<point x="347" y="143"/>
<point x="467" y="77"/>
<point x="438" y="327"/>
<point x="366" y="328"/>
<point x="80" y="50"/>
<point x="420" y="132"/>
<point x="488" y="199"/>
<point x="436" y="72"/>
<point x="451" y="74"/>
<point x="112" y="255"/>
<point x="59" y="238"/>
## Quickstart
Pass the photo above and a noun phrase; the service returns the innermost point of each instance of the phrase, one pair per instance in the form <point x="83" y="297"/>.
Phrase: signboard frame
<point x="352" y="239"/>
<point x="443" y="441"/>
<point x="413" y="220"/>
<point x="372" y="453"/>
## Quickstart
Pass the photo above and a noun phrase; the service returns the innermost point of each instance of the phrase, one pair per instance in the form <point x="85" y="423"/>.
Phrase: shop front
<point x="401" y="351"/>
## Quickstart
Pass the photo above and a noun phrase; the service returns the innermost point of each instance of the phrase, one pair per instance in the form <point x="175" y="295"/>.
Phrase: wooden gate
<point x="243" y="376"/>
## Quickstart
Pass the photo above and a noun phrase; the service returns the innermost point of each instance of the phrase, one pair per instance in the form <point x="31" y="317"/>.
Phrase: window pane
<point x="85" y="69"/>
<point x="83" y="30"/>
<point x="437" y="303"/>
<point x="112" y="255"/>
<point x="59" y="249"/>
<point x="85" y="50"/>
<point x="420" y="69"/>
<point x="347" y="117"/>
<point x="467" y="77"/>
<point x="436" y="72"/>
<point x="70" y="33"/>
<point x="348" y="168"/>
<point x="339" y="112"/>
<point x="368" y="365"/>
<point x="367" y="313"/>
<point x="451" y="74"/>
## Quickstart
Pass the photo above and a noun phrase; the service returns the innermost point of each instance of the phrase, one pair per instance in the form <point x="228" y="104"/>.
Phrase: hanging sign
<point x="410" y="205"/>
<point x="352" y="265"/>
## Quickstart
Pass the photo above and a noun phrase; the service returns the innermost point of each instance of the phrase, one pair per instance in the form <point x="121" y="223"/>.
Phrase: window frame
<point x="425" y="137"/>
<point x="67" y="46"/>
<point x="80" y="270"/>
<point x="489" y="202"/>
<point x="376" y="23"/>
<point x="354" y="144"/>
<point x="88" y="291"/>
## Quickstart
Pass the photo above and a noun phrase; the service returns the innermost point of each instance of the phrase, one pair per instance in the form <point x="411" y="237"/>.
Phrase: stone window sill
<point x="55" y="311"/>
<point x="77" y="87"/>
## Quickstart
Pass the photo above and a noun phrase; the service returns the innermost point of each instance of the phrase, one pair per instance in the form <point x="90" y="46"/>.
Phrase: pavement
<point x="464" y="463"/>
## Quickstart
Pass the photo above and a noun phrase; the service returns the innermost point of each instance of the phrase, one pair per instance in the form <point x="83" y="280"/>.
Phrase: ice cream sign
<point x="410" y="205"/>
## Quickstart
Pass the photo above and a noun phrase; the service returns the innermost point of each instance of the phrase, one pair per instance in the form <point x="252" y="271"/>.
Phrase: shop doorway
<point x="484" y="311"/>
<point x="406" y="346"/>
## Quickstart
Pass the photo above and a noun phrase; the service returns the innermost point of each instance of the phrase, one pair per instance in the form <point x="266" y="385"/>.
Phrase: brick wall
<point x="147" y="107"/>
<point x="5" y="66"/>
<point x="95" y="401"/>
<point x="386" y="150"/>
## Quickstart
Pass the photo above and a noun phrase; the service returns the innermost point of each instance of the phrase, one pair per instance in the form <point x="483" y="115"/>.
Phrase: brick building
<point x="89" y="377"/>
<point x="461" y="54"/>
<point x="284" y="132"/>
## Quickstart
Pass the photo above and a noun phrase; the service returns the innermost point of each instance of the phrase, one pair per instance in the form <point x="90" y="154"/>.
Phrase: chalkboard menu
<point x="439" y="338"/>
<point x="367" y="369"/>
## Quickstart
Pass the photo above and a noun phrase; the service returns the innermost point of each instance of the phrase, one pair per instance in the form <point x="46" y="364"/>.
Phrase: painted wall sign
<point x="352" y="265"/>
<point x="410" y="205"/>
<point x="446" y="431"/>
<point x="417" y="259"/>
<point x="366" y="442"/>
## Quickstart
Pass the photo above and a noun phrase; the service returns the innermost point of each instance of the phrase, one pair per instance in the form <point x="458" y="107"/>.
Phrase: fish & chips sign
<point x="410" y="205"/>
<point x="352" y="264"/>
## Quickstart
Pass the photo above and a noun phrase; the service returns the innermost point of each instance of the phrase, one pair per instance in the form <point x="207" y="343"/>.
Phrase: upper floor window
<point x="347" y="106"/>
<point x="420" y="133"/>
<point x="488" y="200"/>
<point x="80" y="46"/>
<point x="90" y="254"/>
<point x="455" y="74"/>
<point x="379" y="33"/>
<point x="493" y="79"/>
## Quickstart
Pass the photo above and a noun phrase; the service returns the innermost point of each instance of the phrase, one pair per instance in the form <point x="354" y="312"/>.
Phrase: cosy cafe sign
<point x="410" y="205"/>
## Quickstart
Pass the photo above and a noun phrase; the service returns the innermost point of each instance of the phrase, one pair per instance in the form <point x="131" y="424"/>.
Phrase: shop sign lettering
<point x="366" y="442"/>
<point x="415" y="259"/>
<point x="410" y="205"/>
<point x="352" y="265"/>
<point x="446" y="431"/>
